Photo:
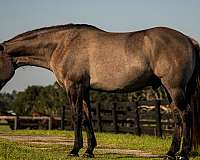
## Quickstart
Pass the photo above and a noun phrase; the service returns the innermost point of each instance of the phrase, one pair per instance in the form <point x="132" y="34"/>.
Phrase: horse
<point x="83" y="57"/>
<point x="44" y="123"/>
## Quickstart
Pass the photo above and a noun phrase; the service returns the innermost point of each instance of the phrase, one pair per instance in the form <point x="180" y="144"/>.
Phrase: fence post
<point x="50" y="123"/>
<point x="114" y="115"/>
<point x="98" y="112"/>
<point x="158" y="118"/>
<point x="137" y="119"/>
<point x="15" y="123"/>
<point x="63" y="117"/>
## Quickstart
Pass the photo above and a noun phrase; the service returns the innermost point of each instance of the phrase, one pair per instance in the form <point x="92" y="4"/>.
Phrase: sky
<point x="18" y="16"/>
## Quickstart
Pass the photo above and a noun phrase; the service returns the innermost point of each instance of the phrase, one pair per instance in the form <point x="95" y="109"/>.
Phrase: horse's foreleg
<point x="91" y="140"/>
<point x="75" y="94"/>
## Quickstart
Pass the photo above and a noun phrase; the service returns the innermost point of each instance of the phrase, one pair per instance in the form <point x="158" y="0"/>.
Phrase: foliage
<point x="50" y="99"/>
<point x="148" y="94"/>
<point x="47" y="100"/>
<point x="5" y="101"/>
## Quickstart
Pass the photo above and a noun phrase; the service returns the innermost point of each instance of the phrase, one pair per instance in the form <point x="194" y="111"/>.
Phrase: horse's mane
<point x="52" y="29"/>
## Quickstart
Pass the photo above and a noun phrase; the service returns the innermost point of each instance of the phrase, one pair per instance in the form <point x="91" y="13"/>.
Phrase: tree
<point x="25" y="101"/>
<point x="5" y="101"/>
<point x="47" y="100"/>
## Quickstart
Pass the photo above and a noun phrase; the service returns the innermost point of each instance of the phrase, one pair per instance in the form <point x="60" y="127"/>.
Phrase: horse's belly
<point x="114" y="68"/>
<point x="120" y="82"/>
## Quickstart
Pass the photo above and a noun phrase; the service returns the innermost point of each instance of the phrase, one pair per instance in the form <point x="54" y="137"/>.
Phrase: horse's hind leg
<point x="178" y="105"/>
<point x="187" y="132"/>
<point x="91" y="140"/>
<point x="176" y="141"/>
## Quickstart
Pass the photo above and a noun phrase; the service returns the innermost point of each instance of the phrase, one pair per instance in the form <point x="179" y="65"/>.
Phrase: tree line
<point x="50" y="99"/>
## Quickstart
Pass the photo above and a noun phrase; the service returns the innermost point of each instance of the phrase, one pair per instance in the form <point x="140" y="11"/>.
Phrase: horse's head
<point x="6" y="66"/>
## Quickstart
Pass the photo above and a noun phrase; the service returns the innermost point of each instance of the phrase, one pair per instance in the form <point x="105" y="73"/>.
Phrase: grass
<point x="124" y="141"/>
<point x="21" y="150"/>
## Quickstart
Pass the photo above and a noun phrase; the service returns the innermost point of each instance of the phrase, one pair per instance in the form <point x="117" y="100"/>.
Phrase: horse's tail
<point x="194" y="96"/>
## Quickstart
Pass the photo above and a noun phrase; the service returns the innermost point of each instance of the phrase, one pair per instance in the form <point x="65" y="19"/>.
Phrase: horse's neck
<point x="34" y="52"/>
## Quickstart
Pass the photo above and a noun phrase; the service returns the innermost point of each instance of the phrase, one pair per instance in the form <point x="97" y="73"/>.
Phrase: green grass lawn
<point x="21" y="150"/>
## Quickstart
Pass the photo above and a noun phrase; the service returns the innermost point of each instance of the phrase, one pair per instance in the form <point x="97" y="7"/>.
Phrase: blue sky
<point x="17" y="16"/>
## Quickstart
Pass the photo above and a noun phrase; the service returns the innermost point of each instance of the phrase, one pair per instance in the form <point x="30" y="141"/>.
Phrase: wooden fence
<point x="132" y="118"/>
<point x="21" y="122"/>
<point x="118" y="117"/>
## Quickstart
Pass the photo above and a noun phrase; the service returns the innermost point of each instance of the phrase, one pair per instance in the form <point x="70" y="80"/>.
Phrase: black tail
<point x="194" y="96"/>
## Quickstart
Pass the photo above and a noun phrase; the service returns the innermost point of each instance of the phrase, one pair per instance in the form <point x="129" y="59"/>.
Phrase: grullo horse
<point x="83" y="57"/>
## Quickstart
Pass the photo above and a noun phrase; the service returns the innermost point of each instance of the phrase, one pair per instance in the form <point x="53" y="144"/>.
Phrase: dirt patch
<point x="38" y="139"/>
<point x="62" y="140"/>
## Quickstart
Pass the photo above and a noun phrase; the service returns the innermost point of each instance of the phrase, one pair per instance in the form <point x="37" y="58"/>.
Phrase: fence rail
<point x="113" y="117"/>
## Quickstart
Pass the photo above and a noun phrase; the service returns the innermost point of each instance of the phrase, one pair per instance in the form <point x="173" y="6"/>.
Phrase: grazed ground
<point x="62" y="140"/>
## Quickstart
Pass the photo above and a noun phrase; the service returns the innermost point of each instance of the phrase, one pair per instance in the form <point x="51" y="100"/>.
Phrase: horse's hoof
<point x="88" y="155"/>
<point x="181" y="158"/>
<point x="167" y="157"/>
<point x="72" y="154"/>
